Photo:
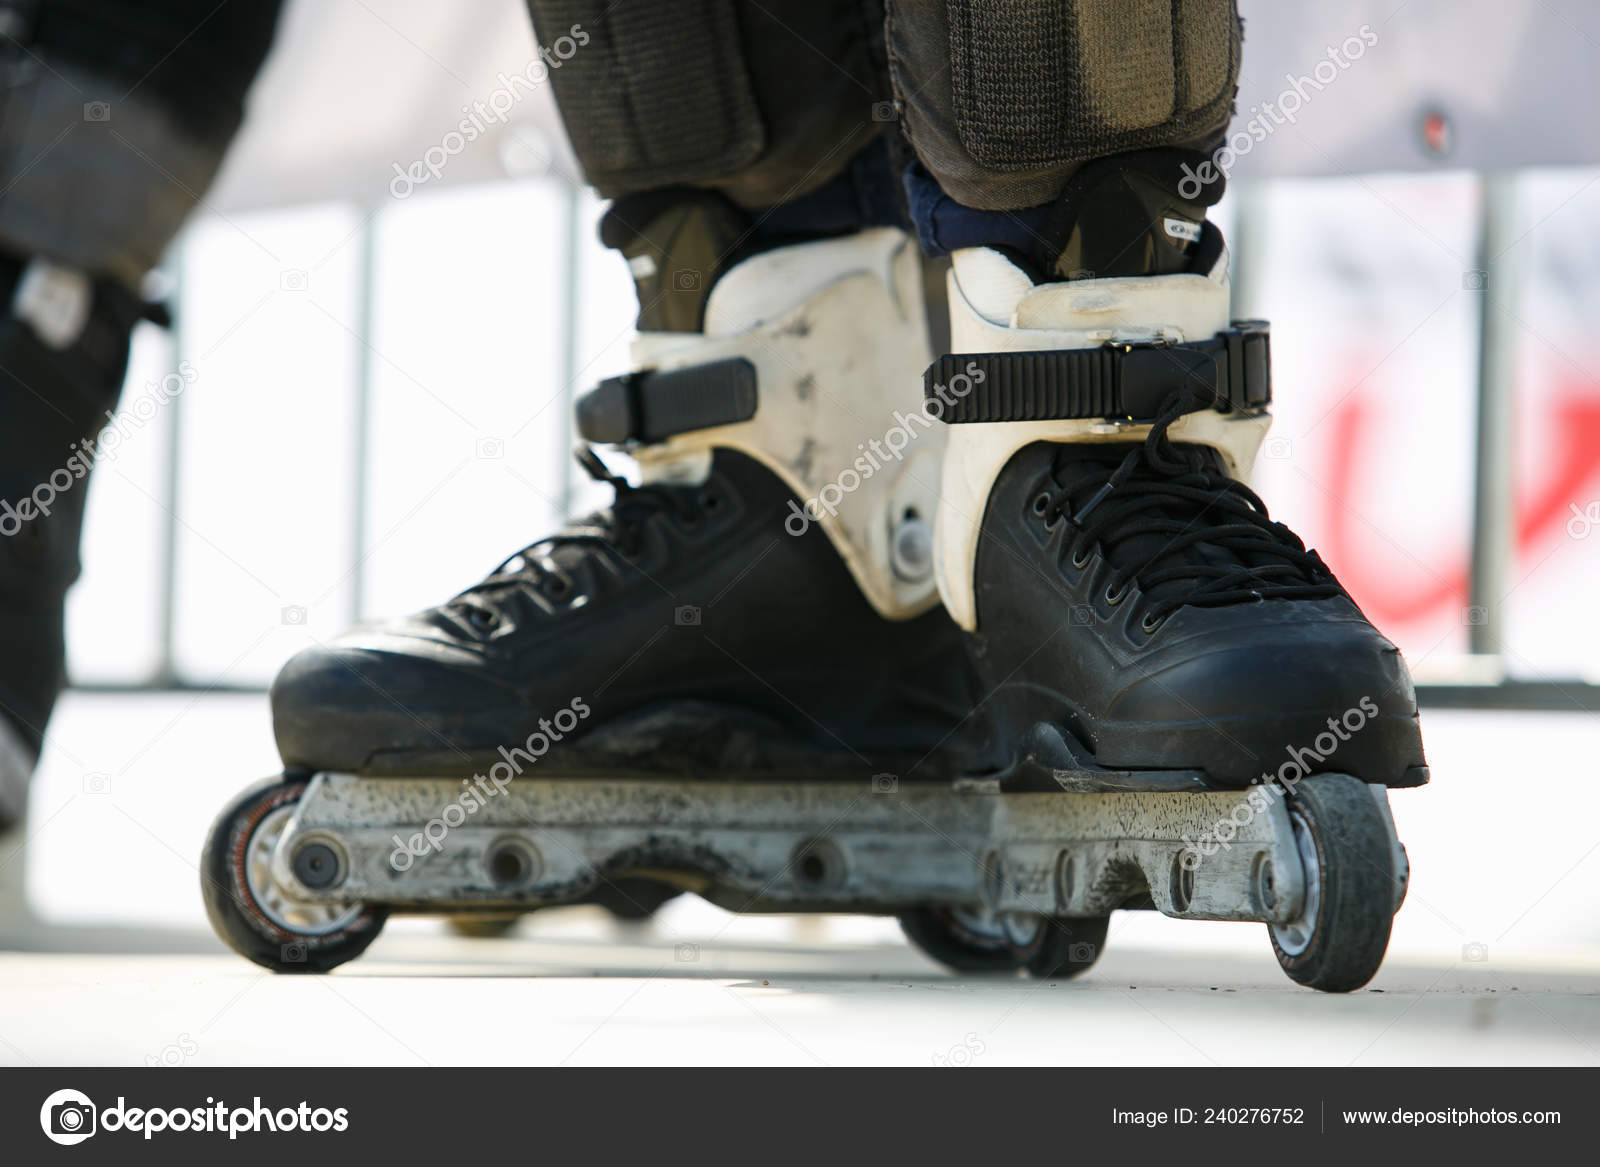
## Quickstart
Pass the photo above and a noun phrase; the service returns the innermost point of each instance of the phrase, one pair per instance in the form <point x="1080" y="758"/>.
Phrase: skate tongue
<point x="1127" y="216"/>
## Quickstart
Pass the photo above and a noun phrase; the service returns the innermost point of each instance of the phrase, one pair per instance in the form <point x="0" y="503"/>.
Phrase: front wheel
<point x="1338" y="939"/>
<point x="257" y="918"/>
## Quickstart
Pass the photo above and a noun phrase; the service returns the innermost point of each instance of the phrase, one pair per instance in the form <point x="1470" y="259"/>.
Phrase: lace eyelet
<point x="1081" y="557"/>
<point x="1041" y="503"/>
<point x="1113" y="598"/>
<point x="1148" y="624"/>
<point x="482" y="619"/>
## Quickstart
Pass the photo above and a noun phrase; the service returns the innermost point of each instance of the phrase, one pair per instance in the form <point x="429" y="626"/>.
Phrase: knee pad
<point x="714" y="93"/>
<point x="1002" y="107"/>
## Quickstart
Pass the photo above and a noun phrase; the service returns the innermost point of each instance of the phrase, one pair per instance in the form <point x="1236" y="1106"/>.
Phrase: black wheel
<point x="1066" y="947"/>
<point x="1337" y="941"/>
<point x="485" y="927"/>
<point x="973" y="942"/>
<point x="630" y="898"/>
<point x="250" y="912"/>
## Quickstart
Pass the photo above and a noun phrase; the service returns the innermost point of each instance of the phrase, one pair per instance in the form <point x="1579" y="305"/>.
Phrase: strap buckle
<point x="1130" y="381"/>
<point x="1231" y="372"/>
<point x="651" y="406"/>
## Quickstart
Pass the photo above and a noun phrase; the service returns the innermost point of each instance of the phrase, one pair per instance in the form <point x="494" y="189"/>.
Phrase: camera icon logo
<point x="1474" y="281"/>
<point x="1082" y="615"/>
<point x="293" y="953"/>
<point x="68" y="1117"/>
<point x="97" y="111"/>
<point x="1477" y="614"/>
<point x="686" y="953"/>
<point x="883" y="111"/>
<point x="1081" y="952"/>
<point x="293" y="279"/>
<point x="97" y="782"/>
<point x="293" y="614"/>
<point x="1278" y="449"/>
<point x="1582" y="523"/>
<point x="1476" y="952"/>
<point x="885" y="783"/>
<point x="686" y="279"/>
<point x="686" y="616"/>
<point x="491" y="449"/>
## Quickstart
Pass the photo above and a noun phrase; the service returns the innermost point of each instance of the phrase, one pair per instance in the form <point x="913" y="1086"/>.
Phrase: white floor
<point x="1495" y="958"/>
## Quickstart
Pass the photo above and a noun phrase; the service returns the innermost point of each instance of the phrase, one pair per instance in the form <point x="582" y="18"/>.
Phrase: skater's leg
<point x="1056" y="131"/>
<point x="1127" y="597"/>
<point x="764" y="103"/>
<point x="764" y="602"/>
<point x="113" y="120"/>
<point x="723" y="131"/>
<point x="1004" y="104"/>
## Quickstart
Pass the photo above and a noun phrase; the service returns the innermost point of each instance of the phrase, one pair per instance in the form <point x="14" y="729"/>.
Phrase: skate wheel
<point x="632" y="899"/>
<point x="252" y="914"/>
<point x="1067" y="946"/>
<point x="1338" y="940"/>
<point x="483" y="927"/>
<point x="970" y="942"/>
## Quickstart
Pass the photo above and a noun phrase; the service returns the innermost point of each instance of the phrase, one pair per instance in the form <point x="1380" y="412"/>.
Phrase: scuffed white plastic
<point x="995" y="308"/>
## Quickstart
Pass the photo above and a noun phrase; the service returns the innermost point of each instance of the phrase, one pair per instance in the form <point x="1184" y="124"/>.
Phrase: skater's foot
<point x="705" y="624"/>
<point x="683" y="629"/>
<point x="1128" y="598"/>
<point x="1143" y="602"/>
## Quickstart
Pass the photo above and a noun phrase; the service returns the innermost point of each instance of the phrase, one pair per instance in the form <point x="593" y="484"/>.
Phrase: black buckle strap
<point x="651" y="406"/>
<point x="1230" y="372"/>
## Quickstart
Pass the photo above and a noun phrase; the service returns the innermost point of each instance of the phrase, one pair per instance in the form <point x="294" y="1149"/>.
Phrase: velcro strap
<point x="651" y="406"/>
<point x="1230" y="372"/>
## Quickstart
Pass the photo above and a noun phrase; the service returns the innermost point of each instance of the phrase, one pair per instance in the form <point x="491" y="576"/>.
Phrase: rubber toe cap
<point x="340" y="705"/>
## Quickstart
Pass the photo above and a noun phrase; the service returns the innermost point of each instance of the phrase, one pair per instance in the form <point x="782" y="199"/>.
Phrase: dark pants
<point x="114" y="115"/>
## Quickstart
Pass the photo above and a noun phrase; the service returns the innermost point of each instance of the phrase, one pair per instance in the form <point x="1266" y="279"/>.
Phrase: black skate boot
<point x="1130" y="603"/>
<point x="63" y="353"/>
<point x="707" y="624"/>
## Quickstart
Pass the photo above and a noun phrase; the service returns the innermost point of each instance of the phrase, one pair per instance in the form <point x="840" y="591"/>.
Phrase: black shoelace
<point x="617" y="529"/>
<point x="1171" y="520"/>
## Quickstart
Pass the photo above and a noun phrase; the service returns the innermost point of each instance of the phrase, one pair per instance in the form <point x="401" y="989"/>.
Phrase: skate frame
<point x="809" y="847"/>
